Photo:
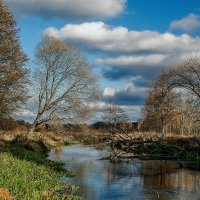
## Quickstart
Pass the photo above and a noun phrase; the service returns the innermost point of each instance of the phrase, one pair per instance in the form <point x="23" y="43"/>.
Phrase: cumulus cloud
<point x="133" y="52"/>
<point x="134" y="55"/>
<point x="129" y="95"/>
<point x="126" y="61"/>
<point x="68" y="8"/>
<point x="139" y="81"/>
<point x="130" y="98"/>
<point x="108" y="92"/>
<point x="188" y="24"/>
<point x="133" y="111"/>
<point x="99" y="36"/>
<point x="147" y="66"/>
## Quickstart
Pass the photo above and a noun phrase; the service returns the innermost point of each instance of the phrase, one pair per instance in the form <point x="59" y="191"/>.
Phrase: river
<point x="141" y="180"/>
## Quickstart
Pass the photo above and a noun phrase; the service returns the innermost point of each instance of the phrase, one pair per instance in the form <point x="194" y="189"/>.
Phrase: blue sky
<point x="126" y="42"/>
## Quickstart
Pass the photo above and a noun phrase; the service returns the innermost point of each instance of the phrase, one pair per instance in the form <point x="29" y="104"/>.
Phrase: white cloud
<point x="108" y="92"/>
<point x="135" y="52"/>
<point x="97" y="35"/>
<point x="147" y="66"/>
<point x="68" y="8"/>
<point x="101" y="107"/>
<point x="129" y="98"/>
<point x="127" y="61"/>
<point x="155" y="61"/>
<point x="188" y="24"/>
<point x="129" y="88"/>
<point x="130" y="94"/>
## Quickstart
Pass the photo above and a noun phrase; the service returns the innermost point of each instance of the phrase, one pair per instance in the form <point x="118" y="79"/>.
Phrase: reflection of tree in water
<point x="161" y="176"/>
<point x="122" y="178"/>
<point x="158" y="174"/>
<point x="180" y="182"/>
<point x="151" y="180"/>
<point x="57" y="153"/>
<point x="84" y="178"/>
<point x="80" y="169"/>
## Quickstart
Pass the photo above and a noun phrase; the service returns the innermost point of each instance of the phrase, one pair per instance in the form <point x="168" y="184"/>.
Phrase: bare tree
<point x="187" y="76"/>
<point x="13" y="74"/>
<point x="184" y="122"/>
<point x="116" y="121"/>
<point x="64" y="84"/>
<point x="173" y="102"/>
<point x="160" y="105"/>
<point x="115" y="118"/>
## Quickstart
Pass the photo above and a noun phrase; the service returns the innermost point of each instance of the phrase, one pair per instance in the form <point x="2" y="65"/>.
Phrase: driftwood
<point x="130" y="144"/>
<point x="184" y="151"/>
<point x="152" y="149"/>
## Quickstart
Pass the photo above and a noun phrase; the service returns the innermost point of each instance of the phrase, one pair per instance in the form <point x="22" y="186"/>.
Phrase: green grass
<point x="29" y="176"/>
<point x="38" y="158"/>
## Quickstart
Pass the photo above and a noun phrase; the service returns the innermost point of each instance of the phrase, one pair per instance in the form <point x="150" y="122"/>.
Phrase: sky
<point x="126" y="42"/>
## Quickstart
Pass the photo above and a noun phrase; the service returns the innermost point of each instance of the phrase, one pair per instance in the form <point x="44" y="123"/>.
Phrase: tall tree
<point x="64" y="83"/>
<point x="13" y="74"/>
<point x="173" y="102"/>
<point x="187" y="77"/>
<point x="160" y="105"/>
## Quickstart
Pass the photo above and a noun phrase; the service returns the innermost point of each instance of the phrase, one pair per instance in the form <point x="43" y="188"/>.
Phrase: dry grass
<point x="84" y="135"/>
<point x="5" y="194"/>
<point x="172" y="136"/>
<point x="88" y="135"/>
<point x="50" y="139"/>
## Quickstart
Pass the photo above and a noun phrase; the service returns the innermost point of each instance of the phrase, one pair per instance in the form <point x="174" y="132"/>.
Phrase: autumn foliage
<point x="13" y="73"/>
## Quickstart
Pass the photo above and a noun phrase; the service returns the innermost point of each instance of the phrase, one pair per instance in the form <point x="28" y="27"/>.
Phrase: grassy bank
<point x="26" y="174"/>
<point x="29" y="175"/>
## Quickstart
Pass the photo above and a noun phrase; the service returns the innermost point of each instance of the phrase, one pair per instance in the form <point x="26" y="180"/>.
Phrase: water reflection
<point x="148" y="180"/>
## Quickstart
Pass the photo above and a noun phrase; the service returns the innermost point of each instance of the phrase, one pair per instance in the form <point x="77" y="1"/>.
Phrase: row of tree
<point x="60" y="87"/>
<point x="173" y="100"/>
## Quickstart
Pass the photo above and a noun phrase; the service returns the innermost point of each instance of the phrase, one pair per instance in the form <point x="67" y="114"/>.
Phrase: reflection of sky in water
<point x="102" y="180"/>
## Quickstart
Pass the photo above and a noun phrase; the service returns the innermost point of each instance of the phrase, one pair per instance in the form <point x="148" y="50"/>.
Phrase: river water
<point x="141" y="180"/>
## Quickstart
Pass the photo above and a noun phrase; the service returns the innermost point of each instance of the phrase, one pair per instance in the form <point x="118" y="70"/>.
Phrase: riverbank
<point x="29" y="175"/>
<point x="26" y="173"/>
